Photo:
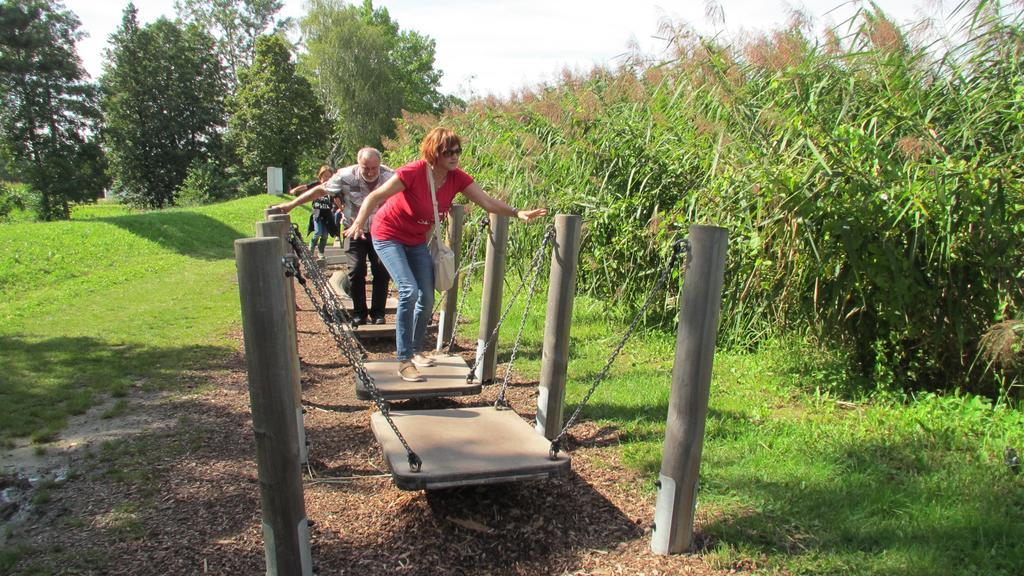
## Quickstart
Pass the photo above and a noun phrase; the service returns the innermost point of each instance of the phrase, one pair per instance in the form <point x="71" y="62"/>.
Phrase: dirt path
<point x="180" y="496"/>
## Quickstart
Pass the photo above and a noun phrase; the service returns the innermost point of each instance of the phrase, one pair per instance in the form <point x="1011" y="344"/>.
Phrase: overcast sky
<point x="494" y="47"/>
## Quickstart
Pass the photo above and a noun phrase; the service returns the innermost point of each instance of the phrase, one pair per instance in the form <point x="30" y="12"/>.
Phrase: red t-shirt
<point x="408" y="216"/>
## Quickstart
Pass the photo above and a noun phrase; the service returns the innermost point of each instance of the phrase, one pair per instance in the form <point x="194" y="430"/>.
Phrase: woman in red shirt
<point x="401" y="227"/>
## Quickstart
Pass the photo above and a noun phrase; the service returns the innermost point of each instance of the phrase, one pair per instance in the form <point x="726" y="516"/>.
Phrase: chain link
<point x="535" y="264"/>
<point x="347" y="343"/>
<point x="501" y="402"/>
<point x="467" y="277"/>
<point x="680" y="247"/>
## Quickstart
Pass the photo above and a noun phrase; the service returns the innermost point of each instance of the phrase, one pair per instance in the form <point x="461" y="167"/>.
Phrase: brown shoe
<point x="408" y="372"/>
<point x="423" y="361"/>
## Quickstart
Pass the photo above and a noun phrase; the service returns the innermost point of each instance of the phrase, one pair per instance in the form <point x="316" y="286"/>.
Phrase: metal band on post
<point x="678" y="481"/>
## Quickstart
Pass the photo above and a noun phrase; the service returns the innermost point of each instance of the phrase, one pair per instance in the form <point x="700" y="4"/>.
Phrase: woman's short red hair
<point x="437" y="141"/>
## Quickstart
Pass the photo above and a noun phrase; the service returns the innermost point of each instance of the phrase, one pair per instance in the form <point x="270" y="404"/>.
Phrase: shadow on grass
<point x="47" y="380"/>
<point x="524" y="352"/>
<point x="893" y="508"/>
<point x="647" y="423"/>
<point x="912" y="505"/>
<point x="186" y="233"/>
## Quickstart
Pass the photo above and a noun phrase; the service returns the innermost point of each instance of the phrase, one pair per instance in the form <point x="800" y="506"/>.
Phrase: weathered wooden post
<point x="490" y="305"/>
<point x="446" y="326"/>
<point x="279" y="229"/>
<point x="280" y="216"/>
<point x="270" y="211"/>
<point x="264" y="325"/>
<point x="561" y="293"/>
<point x="701" y="300"/>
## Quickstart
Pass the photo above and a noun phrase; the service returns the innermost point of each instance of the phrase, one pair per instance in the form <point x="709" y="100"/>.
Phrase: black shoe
<point x="378" y="320"/>
<point x="359" y="321"/>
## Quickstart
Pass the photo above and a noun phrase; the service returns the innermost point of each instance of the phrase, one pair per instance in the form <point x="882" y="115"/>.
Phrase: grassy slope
<point x="110" y="300"/>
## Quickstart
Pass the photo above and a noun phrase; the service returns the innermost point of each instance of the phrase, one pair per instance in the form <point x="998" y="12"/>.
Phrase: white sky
<point x="494" y="47"/>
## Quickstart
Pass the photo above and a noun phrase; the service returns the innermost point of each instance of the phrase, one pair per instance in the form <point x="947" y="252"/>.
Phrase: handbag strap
<point x="433" y="200"/>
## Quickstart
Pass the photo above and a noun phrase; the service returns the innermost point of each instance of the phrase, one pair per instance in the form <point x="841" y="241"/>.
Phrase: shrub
<point x="204" y="184"/>
<point x="17" y="197"/>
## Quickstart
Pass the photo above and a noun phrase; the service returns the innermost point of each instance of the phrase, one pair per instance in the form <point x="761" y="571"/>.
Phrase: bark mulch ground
<point x="185" y="500"/>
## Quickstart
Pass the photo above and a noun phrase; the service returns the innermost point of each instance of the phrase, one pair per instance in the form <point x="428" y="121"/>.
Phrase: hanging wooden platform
<point x="446" y="379"/>
<point x="335" y="256"/>
<point x="465" y="447"/>
<point x="390" y="307"/>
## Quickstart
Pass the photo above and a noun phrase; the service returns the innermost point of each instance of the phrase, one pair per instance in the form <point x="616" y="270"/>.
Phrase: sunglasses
<point x="452" y="152"/>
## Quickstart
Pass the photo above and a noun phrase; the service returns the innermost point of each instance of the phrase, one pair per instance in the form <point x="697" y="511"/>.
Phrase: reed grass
<point x="870" y="180"/>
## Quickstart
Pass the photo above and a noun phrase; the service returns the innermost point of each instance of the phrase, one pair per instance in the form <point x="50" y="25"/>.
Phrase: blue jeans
<point x="412" y="270"/>
<point x="319" y="238"/>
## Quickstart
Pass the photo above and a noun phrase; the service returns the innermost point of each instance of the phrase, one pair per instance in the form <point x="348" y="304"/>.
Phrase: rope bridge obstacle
<point x="474" y="438"/>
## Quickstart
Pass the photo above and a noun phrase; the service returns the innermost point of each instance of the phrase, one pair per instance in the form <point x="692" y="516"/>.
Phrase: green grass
<point x="111" y="300"/>
<point x="793" y="479"/>
<point x="102" y="209"/>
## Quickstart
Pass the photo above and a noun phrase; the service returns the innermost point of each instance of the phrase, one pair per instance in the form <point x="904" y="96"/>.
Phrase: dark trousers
<point x="358" y="252"/>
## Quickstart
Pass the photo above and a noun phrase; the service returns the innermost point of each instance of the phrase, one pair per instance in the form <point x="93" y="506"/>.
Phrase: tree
<point x="235" y="24"/>
<point x="50" y="113"/>
<point x="275" y="114"/>
<point x="163" y="97"/>
<point x="367" y="70"/>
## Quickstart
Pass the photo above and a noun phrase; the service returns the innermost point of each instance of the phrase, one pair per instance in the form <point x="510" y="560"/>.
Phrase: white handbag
<point x="444" y="258"/>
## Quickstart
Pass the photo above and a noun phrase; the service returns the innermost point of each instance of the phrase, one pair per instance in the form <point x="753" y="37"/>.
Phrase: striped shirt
<point x="348" y="184"/>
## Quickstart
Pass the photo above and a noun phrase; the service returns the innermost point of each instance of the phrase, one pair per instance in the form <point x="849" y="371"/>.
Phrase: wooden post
<point x="701" y="300"/>
<point x="264" y="326"/>
<point x="280" y="216"/>
<point x="279" y="229"/>
<point x="561" y="293"/>
<point x="446" y="326"/>
<point x="490" y="305"/>
<point x="270" y="211"/>
<point x="288" y="250"/>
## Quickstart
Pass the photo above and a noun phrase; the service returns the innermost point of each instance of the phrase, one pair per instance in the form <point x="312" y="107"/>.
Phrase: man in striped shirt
<point x="352" y="184"/>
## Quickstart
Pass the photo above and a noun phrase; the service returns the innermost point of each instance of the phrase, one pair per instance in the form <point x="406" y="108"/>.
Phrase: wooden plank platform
<point x="446" y="379"/>
<point x="390" y="306"/>
<point x="465" y="447"/>
<point x="373" y="330"/>
<point x="335" y="256"/>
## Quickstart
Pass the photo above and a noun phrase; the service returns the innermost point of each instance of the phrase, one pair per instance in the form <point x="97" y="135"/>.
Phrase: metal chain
<point x="467" y="276"/>
<point x="334" y="311"/>
<point x="534" y="263"/>
<point x="501" y="402"/>
<point x="344" y="343"/>
<point x="679" y="247"/>
<point x="348" y="344"/>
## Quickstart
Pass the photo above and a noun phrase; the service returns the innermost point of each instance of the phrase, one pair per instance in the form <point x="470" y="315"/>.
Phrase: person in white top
<point x="351" y="185"/>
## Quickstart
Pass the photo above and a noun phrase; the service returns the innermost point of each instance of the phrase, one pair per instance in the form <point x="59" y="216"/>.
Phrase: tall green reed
<point x="871" y="184"/>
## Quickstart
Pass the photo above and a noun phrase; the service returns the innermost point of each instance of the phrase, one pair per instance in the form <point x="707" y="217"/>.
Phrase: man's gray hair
<point x="367" y="152"/>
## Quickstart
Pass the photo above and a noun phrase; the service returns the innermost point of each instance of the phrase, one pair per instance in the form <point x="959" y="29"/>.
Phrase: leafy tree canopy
<point x="275" y="115"/>
<point x="163" y="97"/>
<point x="235" y="25"/>
<point x="49" y="111"/>
<point x="367" y="70"/>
